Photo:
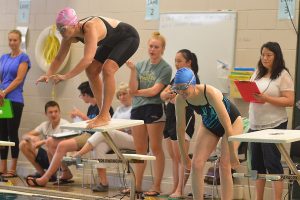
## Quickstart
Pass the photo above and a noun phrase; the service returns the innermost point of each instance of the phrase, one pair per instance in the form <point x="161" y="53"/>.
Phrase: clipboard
<point x="65" y="134"/>
<point x="6" y="111"/>
<point x="247" y="90"/>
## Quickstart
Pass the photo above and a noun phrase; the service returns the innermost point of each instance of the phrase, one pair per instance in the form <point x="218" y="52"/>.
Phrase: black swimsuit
<point x="119" y="44"/>
<point x="210" y="117"/>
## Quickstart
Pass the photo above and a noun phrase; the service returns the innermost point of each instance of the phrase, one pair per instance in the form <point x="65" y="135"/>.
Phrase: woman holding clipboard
<point x="276" y="93"/>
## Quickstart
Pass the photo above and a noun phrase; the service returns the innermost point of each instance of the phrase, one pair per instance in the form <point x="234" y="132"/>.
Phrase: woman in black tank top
<point x="108" y="44"/>
<point x="183" y="58"/>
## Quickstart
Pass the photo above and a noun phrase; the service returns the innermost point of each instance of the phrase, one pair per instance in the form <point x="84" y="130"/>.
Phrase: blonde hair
<point x="16" y="32"/>
<point x="156" y="35"/>
<point x="123" y="87"/>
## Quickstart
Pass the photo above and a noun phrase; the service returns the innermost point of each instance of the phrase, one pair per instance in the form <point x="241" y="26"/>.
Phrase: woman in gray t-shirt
<point x="148" y="78"/>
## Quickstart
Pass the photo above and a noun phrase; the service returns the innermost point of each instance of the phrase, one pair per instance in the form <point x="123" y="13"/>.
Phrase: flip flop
<point x="53" y="178"/>
<point x="151" y="194"/>
<point x="62" y="181"/>
<point x="127" y="191"/>
<point x="33" y="180"/>
<point x="35" y="175"/>
<point x="9" y="174"/>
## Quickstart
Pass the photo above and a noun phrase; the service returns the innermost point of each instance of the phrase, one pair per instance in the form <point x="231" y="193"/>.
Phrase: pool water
<point x="13" y="196"/>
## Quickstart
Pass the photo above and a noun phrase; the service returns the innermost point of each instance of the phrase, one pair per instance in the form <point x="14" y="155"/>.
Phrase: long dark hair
<point x="190" y="56"/>
<point x="278" y="64"/>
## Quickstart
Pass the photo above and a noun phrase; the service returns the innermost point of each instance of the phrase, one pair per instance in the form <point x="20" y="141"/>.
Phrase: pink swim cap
<point x="66" y="16"/>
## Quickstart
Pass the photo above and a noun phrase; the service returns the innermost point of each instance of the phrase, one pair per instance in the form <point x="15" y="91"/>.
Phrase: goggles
<point x="182" y="86"/>
<point x="62" y="29"/>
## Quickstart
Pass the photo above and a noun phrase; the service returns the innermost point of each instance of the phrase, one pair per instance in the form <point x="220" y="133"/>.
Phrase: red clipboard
<point x="247" y="90"/>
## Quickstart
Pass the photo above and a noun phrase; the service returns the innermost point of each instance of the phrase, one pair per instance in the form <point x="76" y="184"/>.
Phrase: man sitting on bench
<point x="32" y="142"/>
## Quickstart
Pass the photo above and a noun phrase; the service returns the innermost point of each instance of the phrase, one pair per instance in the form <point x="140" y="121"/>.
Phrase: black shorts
<point x="151" y="113"/>
<point x="233" y="114"/>
<point x="42" y="158"/>
<point x="122" y="49"/>
<point x="170" y="127"/>
<point x="266" y="157"/>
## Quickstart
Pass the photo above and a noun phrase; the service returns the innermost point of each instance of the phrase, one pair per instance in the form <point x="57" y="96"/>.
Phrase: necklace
<point x="267" y="86"/>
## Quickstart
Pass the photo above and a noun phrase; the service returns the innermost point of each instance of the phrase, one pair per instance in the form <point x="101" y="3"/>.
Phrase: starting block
<point x="269" y="177"/>
<point x="124" y="158"/>
<point x="131" y="158"/>
<point x="6" y="144"/>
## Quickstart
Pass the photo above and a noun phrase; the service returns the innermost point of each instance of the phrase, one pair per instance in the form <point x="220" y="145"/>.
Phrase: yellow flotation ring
<point x="47" y="46"/>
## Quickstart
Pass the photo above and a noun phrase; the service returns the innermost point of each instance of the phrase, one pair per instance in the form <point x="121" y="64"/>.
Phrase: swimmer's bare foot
<point x="91" y="120"/>
<point x="98" y="121"/>
<point x="234" y="159"/>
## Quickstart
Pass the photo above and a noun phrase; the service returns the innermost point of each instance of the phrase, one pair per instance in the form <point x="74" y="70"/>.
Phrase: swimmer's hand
<point x="41" y="79"/>
<point x="58" y="78"/>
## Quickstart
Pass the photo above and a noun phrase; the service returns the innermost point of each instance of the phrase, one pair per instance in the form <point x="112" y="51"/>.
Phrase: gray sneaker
<point x="100" y="188"/>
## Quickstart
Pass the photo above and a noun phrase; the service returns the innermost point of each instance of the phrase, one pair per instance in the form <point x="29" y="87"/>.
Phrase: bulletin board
<point x="210" y="35"/>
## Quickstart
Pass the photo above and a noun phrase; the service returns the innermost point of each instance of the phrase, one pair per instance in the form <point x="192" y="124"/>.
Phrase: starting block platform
<point x="138" y="157"/>
<point x="6" y="144"/>
<point x="115" y="124"/>
<point x="132" y="158"/>
<point x="269" y="177"/>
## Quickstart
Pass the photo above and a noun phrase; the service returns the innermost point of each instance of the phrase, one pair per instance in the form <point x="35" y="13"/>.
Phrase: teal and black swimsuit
<point x="119" y="44"/>
<point x="210" y="117"/>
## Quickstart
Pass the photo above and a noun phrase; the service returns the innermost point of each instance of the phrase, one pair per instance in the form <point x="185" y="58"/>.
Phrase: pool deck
<point x="69" y="191"/>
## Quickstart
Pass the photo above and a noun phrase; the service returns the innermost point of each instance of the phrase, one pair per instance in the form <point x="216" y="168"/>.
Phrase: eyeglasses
<point x="183" y="86"/>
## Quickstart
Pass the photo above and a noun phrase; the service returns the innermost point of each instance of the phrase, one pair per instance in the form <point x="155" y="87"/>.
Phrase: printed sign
<point x="152" y="10"/>
<point x="24" y="10"/>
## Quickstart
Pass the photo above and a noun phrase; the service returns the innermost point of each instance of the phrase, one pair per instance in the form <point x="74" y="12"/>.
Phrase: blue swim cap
<point x="185" y="75"/>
